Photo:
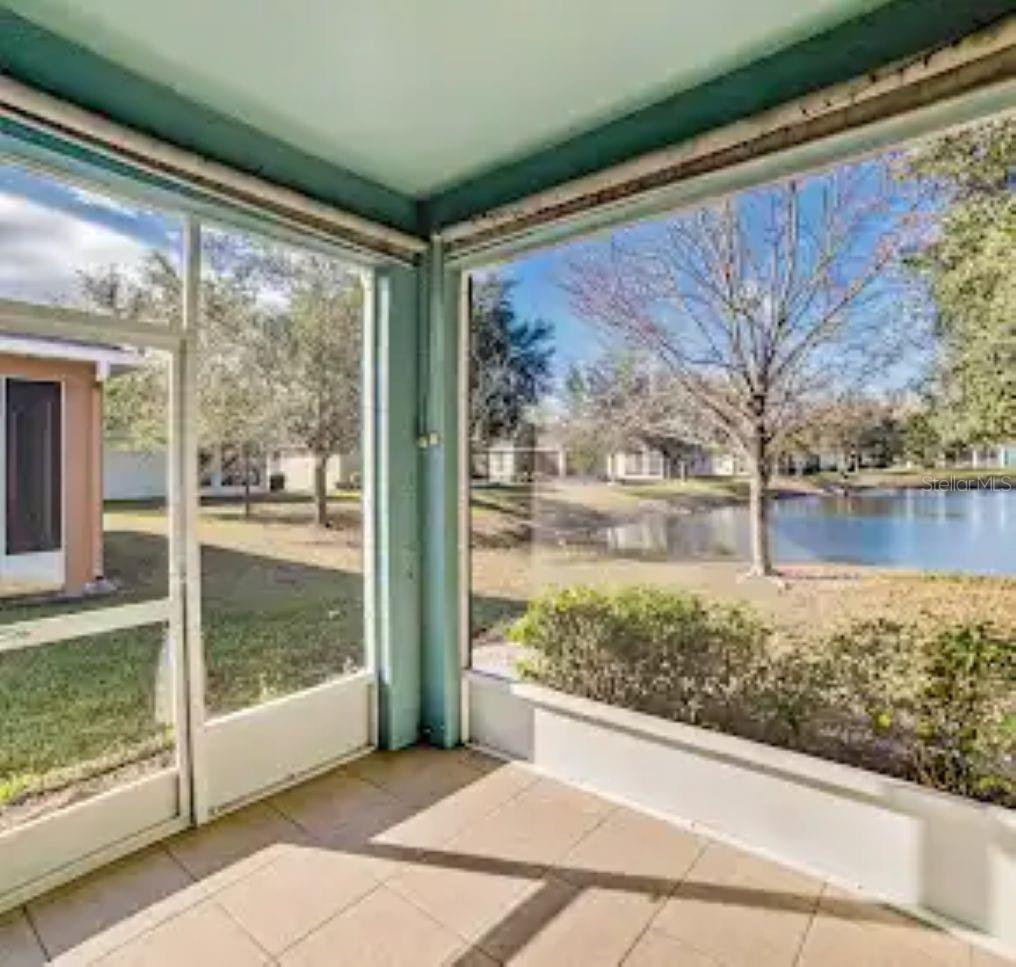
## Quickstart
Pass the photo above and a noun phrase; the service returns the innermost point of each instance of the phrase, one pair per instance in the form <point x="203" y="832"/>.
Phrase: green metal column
<point x="440" y="530"/>
<point x="397" y="320"/>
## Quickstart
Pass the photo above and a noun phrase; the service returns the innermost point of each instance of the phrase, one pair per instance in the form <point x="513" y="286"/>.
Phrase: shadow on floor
<point x="431" y="857"/>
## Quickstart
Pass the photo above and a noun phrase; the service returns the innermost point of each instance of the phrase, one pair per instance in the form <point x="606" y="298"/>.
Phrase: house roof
<point x="39" y="347"/>
<point x="421" y="114"/>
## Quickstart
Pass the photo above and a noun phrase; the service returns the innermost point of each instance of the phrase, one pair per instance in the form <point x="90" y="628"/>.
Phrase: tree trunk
<point x="245" y="466"/>
<point x="321" y="489"/>
<point x="758" y="507"/>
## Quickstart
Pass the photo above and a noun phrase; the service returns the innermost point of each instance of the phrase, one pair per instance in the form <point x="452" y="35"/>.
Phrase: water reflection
<point x="972" y="531"/>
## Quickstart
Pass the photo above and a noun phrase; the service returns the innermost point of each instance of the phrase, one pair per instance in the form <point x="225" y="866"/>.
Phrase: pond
<point x="971" y="531"/>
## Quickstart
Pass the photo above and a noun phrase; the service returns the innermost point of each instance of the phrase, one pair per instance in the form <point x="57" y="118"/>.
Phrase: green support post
<point x="397" y="327"/>
<point x="441" y="295"/>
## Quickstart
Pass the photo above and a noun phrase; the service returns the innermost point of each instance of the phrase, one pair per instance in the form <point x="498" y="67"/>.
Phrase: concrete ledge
<point x="935" y="853"/>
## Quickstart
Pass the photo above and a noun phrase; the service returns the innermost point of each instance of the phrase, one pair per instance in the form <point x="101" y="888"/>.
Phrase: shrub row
<point x="937" y="707"/>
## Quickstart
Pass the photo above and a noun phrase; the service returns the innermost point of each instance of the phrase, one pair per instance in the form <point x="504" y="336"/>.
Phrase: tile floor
<point x="425" y="857"/>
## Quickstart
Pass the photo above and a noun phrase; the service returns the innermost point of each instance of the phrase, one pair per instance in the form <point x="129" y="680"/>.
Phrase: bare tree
<point x="624" y="397"/>
<point x="755" y="306"/>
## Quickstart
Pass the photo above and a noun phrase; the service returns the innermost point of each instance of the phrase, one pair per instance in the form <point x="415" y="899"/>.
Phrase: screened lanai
<point x="497" y="481"/>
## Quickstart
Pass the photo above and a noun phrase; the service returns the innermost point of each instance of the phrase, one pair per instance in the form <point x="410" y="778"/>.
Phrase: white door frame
<point x="58" y="846"/>
<point x="224" y="761"/>
<point x="244" y="755"/>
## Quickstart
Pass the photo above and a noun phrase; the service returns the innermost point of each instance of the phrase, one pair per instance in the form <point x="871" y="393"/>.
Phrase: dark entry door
<point x="34" y="467"/>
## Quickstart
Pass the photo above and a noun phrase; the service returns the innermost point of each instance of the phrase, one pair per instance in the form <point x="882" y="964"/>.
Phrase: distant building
<point x="295" y="466"/>
<point x="644" y="463"/>
<point x="638" y="464"/>
<point x="534" y="457"/>
<point x="998" y="456"/>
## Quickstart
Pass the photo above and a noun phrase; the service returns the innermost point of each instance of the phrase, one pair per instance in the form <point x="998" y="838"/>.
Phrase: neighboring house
<point x="133" y="474"/>
<point x="995" y="456"/>
<point x="296" y="465"/>
<point x="722" y="465"/>
<point x="509" y="461"/>
<point x="637" y="464"/>
<point x="51" y="484"/>
<point x="645" y="463"/>
<point x="141" y="475"/>
<point x="221" y="471"/>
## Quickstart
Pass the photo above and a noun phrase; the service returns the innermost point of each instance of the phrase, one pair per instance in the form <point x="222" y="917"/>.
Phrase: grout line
<point x="33" y="926"/>
<point x="199" y="899"/>
<point x="164" y="847"/>
<point x="254" y="940"/>
<point x="327" y="920"/>
<point x="417" y="810"/>
<point x="810" y="924"/>
<point x="331" y="916"/>
<point x="454" y="931"/>
<point x="703" y="845"/>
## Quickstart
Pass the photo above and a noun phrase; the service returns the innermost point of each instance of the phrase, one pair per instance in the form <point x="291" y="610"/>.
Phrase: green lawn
<point x="282" y="608"/>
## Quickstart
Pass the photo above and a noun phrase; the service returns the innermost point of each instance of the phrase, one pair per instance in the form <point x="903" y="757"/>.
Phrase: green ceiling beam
<point x="899" y="29"/>
<point x="39" y="58"/>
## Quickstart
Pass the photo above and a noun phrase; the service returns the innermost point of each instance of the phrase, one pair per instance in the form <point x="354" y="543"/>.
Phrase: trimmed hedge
<point x="939" y="708"/>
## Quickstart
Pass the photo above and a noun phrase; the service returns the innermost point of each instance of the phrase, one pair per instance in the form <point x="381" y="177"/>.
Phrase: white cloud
<point x="93" y="200"/>
<point x="42" y="249"/>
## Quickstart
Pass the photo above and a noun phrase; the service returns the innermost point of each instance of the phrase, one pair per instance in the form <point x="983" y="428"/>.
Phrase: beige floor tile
<point x="383" y="928"/>
<point x="543" y="901"/>
<point x="284" y="901"/>
<point x="536" y="828"/>
<point x="632" y="850"/>
<point x="435" y="825"/>
<point x="204" y="936"/>
<point x="324" y="804"/>
<point x="741" y="909"/>
<point x="99" y="911"/>
<point x="375" y="840"/>
<point x="598" y="926"/>
<point x="848" y="930"/>
<point x="482" y="862"/>
<point x="478" y="760"/>
<point x="550" y="797"/>
<point x="986" y="958"/>
<point x="468" y="901"/>
<point x="233" y="847"/>
<point x="419" y="776"/>
<point x="18" y="944"/>
<point x="656" y="949"/>
<point x="473" y="957"/>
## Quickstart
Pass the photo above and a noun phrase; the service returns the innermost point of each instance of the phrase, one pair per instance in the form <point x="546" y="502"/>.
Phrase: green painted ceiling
<point x="433" y="109"/>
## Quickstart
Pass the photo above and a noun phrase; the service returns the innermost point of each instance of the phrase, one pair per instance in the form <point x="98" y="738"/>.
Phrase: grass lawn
<point x="282" y="605"/>
<point x="516" y="557"/>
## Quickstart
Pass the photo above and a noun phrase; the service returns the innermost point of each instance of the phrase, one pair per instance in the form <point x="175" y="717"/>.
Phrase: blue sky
<point x="50" y="230"/>
<point x="538" y="293"/>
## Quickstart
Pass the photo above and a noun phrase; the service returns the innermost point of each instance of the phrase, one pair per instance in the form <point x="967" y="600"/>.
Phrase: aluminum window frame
<point x="180" y="609"/>
<point x="922" y="122"/>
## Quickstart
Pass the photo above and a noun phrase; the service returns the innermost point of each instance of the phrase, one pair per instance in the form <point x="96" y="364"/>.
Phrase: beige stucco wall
<point x="82" y="459"/>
